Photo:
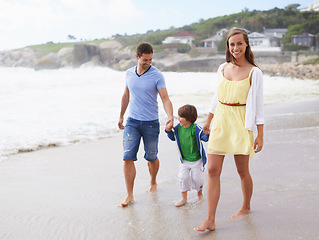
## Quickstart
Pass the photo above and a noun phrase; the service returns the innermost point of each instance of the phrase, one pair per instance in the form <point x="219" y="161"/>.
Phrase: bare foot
<point x="240" y="213"/>
<point x="153" y="188"/>
<point x="127" y="201"/>
<point x="181" y="202"/>
<point x="206" y="226"/>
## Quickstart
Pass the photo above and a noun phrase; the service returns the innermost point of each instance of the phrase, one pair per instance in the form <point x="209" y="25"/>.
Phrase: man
<point x="143" y="83"/>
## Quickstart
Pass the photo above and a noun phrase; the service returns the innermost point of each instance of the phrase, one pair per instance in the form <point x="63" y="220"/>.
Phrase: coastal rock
<point x="66" y="56"/>
<point x="83" y="53"/>
<point x="113" y="53"/>
<point x="50" y="61"/>
<point x="24" y="57"/>
<point x="293" y="70"/>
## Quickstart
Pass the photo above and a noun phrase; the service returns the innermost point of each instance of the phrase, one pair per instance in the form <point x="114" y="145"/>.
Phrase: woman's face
<point x="237" y="46"/>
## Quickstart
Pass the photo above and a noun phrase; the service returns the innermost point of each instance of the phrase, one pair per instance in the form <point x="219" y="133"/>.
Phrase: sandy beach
<point x="73" y="192"/>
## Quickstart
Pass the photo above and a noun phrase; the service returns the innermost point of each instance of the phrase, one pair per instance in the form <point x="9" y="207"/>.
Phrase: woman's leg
<point x="242" y="164"/>
<point x="215" y="165"/>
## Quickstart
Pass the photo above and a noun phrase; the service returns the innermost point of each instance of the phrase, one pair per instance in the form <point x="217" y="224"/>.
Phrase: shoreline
<point x="72" y="192"/>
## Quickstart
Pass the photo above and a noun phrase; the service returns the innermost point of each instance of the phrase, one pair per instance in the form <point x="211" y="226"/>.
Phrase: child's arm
<point x="204" y="137"/>
<point x="170" y="134"/>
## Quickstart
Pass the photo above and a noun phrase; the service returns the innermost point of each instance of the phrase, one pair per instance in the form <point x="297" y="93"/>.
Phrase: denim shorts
<point x="133" y="132"/>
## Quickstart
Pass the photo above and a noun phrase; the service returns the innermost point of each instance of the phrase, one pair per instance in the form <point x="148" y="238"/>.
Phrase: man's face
<point x="144" y="61"/>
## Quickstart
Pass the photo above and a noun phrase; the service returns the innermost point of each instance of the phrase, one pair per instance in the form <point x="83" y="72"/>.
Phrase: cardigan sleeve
<point x="255" y="103"/>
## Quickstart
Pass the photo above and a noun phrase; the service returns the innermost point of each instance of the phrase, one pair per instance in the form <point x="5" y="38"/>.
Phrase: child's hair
<point x="248" y="54"/>
<point x="189" y="112"/>
<point x="144" y="48"/>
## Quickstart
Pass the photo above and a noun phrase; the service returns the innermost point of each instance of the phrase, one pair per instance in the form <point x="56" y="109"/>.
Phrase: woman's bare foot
<point x="206" y="225"/>
<point x="181" y="202"/>
<point x="240" y="213"/>
<point x="153" y="188"/>
<point x="127" y="201"/>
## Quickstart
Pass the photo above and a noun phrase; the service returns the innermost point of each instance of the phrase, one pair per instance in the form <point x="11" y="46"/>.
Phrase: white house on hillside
<point x="181" y="37"/>
<point x="211" y="42"/>
<point x="312" y="7"/>
<point x="275" y="32"/>
<point x="262" y="42"/>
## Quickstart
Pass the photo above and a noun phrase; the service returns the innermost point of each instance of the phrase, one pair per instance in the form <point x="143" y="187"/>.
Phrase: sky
<point x="31" y="22"/>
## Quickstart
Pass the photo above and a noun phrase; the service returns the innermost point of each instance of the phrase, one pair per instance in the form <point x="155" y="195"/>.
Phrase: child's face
<point x="183" y="122"/>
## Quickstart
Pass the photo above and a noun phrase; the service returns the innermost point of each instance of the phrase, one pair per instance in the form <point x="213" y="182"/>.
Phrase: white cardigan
<point x="255" y="102"/>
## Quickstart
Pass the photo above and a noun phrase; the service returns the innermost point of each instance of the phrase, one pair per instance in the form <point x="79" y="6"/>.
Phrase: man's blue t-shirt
<point x="143" y="93"/>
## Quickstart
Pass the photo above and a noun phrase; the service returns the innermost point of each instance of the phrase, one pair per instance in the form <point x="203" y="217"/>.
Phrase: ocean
<point x="49" y="108"/>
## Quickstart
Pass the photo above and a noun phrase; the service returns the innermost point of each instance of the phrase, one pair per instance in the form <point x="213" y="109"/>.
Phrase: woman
<point x="237" y="107"/>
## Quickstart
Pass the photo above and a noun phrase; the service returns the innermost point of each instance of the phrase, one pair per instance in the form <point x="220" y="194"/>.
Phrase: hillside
<point x="118" y="52"/>
<point x="297" y="23"/>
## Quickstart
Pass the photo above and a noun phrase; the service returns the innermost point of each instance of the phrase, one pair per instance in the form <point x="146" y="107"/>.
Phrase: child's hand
<point x="169" y="126"/>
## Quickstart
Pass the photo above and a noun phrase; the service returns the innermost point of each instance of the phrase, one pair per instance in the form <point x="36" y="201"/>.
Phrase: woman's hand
<point x="259" y="141"/>
<point x="258" y="144"/>
<point x="206" y="128"/>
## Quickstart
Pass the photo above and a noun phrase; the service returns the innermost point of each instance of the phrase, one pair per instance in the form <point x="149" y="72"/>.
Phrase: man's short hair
<point x="189" y="112"/>
<point x="144" y="48"/>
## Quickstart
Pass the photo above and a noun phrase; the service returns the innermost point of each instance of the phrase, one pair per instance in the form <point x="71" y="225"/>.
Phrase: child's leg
<point x="184" y="182"/>
<point x="197" y="177"/>
<point x="183" y="201"/>
<point x="200" y="195"/>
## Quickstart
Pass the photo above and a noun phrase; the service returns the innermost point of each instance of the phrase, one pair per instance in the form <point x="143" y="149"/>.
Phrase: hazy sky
<point x="29" y="22"/>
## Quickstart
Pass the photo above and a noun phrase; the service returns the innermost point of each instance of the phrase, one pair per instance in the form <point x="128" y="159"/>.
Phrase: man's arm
<point x="168" y="107"/>
<point x="124" y="103"/>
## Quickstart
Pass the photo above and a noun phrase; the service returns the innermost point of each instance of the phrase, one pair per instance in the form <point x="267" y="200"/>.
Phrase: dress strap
<point x="251" y="71"/>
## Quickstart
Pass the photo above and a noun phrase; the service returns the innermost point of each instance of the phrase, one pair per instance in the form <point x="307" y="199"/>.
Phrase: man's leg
<point x="131" y="142"/>
<point x="150" y="139"/>
<point x="129" y="174"/>
<point x="153" y="169"/>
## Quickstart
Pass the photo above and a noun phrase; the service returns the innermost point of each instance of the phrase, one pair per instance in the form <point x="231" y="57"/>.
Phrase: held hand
<point x="169" y="125"/>
<point x="206" y="128"/>
<point x="120" y="123"/>
<point x="258" y="144"/>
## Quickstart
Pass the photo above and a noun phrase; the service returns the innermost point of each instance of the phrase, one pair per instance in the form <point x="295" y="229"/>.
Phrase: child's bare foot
<point x="181" y="202"/>
<point x="153" y="188"/>
<point x="127" y="201"/>
<point x="240" y="213"/>
<point x="206" y="225"/>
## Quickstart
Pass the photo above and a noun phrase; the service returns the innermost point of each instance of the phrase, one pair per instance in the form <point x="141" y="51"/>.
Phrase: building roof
<point x="303" y="35"/>
<point x="184" y="34"/>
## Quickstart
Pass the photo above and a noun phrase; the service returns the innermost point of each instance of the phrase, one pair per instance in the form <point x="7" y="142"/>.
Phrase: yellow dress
<point x="228" y="134"/>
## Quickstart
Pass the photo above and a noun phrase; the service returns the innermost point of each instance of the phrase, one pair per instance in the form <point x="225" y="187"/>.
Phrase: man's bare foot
<point x="181" y="202"/>
<point x="153" y="188"/>
<point x="240" y="213"/>
<point x="127" y="201"/>
<point x="206" y="226"/>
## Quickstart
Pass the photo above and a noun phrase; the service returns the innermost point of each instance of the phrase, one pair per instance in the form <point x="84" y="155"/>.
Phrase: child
<point x="188" y="136"/>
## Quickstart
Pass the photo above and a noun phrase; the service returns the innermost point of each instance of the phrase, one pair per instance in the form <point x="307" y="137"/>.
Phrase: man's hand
<point x="120" y="123"/>
<point x="169" y="125"/>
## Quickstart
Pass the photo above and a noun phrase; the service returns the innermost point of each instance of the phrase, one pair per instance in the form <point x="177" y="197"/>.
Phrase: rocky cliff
<point x="112" y="54"/>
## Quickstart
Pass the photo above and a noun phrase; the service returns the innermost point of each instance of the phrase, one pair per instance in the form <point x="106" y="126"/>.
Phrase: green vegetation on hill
<point x="46" y="48"/>
<point x="297" y="23"/>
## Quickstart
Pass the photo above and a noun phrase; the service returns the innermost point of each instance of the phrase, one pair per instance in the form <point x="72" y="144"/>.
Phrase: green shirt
<point x="187" y="140"/>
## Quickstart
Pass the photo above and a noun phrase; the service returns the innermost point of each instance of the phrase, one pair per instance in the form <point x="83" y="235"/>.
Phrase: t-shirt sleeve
<point x="161" y="81"/>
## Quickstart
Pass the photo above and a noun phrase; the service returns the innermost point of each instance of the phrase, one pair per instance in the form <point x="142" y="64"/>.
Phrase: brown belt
<point x="233" y="104"/>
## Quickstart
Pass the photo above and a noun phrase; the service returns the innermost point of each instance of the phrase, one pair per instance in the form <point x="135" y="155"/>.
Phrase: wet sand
<point x="73" y="192"/>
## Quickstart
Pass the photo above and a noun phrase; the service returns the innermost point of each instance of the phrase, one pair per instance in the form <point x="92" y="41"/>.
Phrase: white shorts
<point x="191" y="175"/>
